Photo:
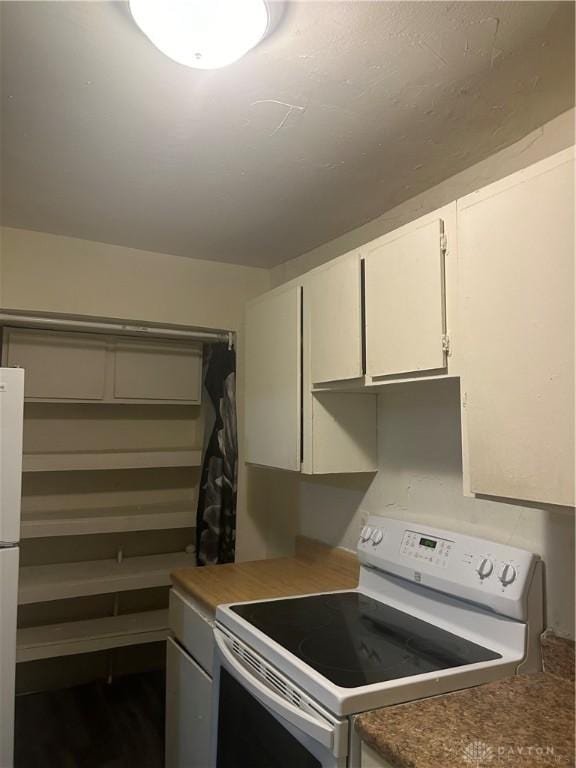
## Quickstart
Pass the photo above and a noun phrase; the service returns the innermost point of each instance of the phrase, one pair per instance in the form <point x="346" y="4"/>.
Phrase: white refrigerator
<point x="11" y="421"/>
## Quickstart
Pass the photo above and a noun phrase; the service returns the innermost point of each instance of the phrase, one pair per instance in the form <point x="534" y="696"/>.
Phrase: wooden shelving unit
<point x="52" y="640"/>
<point x="42" y="583"/>
<point x="82" y="522"/>
<point x="111" y="459"/>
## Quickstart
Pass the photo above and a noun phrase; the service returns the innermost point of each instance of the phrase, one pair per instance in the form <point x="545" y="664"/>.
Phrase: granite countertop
<point x="526" y="721"/>
<point x="315" y="567"/>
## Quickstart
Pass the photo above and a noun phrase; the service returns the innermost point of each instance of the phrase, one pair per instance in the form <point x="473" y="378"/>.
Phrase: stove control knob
<point x="507" y="574"/>
<point x="377" y="536"/>
<point x="366" y="533"/>
<point x="485" y="568"/>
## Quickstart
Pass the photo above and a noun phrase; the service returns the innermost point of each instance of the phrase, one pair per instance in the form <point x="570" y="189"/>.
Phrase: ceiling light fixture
<point x="205" y="34"/>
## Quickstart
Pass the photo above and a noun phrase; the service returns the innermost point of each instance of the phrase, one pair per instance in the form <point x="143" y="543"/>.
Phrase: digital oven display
<point x="430" y="543"/>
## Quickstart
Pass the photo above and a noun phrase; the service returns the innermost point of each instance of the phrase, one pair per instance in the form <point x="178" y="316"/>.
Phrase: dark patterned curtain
<point x="216" y="515"/>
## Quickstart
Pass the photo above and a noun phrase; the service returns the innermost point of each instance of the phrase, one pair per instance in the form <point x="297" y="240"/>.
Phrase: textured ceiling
<point x="347" y="110"/>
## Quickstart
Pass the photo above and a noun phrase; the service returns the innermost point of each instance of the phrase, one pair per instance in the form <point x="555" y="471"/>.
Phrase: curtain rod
<point x="122" y="327"/>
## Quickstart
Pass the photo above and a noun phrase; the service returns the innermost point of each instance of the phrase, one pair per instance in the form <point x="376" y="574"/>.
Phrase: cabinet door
<point x="273" y="379"/>
<point x="339" y="429"/>
<point x="59" y="366"/>
<point x="335" y="293"/>
<point x="343" y="433"/>
<point x="517" y="259"/>
<point x="188" y="710"/>
<point x="405" y="314"/>
<point x="371" y="759"/>
<point x="157" y="371"/>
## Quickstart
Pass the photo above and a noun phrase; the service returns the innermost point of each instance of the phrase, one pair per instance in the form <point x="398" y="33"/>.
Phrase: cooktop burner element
<point x="353" y="640"/>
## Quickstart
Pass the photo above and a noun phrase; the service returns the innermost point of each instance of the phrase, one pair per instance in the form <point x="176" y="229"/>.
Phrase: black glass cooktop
<point x="354" y="640"/>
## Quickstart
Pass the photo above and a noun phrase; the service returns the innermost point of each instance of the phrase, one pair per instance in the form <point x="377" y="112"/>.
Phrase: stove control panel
<point x="430" y="549"/>
<point x="486" y="572"/>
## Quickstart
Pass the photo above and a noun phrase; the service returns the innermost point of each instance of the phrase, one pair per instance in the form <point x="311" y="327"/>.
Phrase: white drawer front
<point x="193" y="629"/>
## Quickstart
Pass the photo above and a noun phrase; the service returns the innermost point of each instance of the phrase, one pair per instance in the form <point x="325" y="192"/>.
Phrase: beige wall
<point x="420" y="475"/>
<point x="543" y="142"/>
<point x="50" y="273"/>
<point x="63" y="274"/>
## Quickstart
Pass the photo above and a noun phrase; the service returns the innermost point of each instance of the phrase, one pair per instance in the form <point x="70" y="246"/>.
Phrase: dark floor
<point x="120" y="725"/>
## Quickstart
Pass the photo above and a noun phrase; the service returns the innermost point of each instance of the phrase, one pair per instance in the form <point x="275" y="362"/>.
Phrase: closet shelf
<point x="81" y="522"/>
<point x="42" y="583"/>
<point x="46" y="642"/>
<point x="111" y="459"/>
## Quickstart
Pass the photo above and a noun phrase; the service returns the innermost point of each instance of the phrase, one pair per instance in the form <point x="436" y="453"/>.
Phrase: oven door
<point x="261" y="720"/>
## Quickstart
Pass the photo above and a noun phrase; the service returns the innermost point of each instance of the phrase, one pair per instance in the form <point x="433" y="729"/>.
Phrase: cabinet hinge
<point x="443" y="242"/>
<point x="446" y="343"/>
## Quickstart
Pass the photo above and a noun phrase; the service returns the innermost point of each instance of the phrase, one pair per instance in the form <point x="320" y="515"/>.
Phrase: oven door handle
<point x="316" y="728"/>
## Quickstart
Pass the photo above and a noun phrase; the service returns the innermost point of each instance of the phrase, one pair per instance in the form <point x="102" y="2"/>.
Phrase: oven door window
<point x="250" y="737"/>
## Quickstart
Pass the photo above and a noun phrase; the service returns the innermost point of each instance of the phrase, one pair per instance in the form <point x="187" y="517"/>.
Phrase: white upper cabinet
<point x="273" y="379"/>
<point x="157" y="371"/>
<point x="339" y="429"/>
<point x="335" y="296"/>
<point x="89" y="368"/>
<point x="387" y="311"/>
<point x="287" y="425"/>
<point x="59" y="366"/>
<point x="516" y="243"/>
<point x="405" y="301"/>
<point x="483" y="289"/>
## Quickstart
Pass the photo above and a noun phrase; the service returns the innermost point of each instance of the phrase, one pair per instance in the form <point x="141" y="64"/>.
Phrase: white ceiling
<point x="347" y="110"/>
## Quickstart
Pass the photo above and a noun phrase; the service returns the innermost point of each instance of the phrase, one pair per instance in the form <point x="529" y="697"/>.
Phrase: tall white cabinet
<point x="273" y="379"/>
<point x="517" y="265"/>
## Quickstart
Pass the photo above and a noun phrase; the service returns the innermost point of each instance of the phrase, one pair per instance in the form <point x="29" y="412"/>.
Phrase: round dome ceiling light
<point x="205" y="34"/>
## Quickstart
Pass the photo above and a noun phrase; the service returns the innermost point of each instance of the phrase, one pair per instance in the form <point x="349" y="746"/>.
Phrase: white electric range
<point x="435" y="611"/>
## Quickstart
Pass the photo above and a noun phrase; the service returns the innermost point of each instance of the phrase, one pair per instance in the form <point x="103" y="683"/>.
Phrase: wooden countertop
<point x="315" y="567"/>
<point x="526" y="721"/>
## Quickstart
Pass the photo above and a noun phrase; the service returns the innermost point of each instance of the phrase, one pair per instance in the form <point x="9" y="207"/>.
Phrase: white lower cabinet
<point x="371" y="759"/>
<point x="189" y="657"/>
<point x="188" y="710"/>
